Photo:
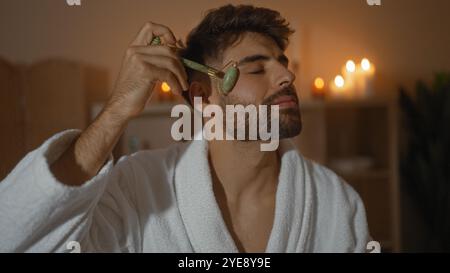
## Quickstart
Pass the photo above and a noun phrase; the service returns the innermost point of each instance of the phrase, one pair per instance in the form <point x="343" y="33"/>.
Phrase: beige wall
<point x="407" y="39"/>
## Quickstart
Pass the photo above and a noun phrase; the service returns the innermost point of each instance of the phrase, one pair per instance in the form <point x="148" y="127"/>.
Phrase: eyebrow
<point x="258" y="57"/>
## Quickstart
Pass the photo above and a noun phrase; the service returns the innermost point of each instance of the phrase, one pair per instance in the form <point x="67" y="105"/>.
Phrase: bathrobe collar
<point x="203" y="219"/>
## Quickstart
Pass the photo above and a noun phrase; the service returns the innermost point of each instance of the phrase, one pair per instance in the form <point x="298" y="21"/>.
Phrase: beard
<point x="289" y="119"/>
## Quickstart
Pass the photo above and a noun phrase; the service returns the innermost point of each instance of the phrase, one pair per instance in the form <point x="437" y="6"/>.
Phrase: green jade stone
<point x="229" y="79"/>
<point x="197" y="66"/>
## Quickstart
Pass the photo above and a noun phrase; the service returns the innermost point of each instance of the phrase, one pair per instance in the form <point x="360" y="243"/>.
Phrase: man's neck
<point x="242" y="168"/>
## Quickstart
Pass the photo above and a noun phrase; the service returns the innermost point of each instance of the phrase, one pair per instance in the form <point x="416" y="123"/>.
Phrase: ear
<point x="199" y="89"/>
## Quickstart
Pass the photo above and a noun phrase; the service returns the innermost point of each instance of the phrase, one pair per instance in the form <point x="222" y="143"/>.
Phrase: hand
<point x="143" y="66"/>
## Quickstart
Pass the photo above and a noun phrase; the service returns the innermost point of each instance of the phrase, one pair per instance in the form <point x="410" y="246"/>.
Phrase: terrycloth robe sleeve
<point x="38" y="213"/>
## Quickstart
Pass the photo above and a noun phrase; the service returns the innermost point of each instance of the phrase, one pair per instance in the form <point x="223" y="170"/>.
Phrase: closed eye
<point x="261" y="71"/>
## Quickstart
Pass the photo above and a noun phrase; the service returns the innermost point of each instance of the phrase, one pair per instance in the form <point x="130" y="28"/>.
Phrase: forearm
<point x="142" y="67"/>
<point x="88" y="153"/>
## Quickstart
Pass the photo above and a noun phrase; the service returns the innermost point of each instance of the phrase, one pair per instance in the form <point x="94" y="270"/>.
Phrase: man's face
<point x="264" y="79"/>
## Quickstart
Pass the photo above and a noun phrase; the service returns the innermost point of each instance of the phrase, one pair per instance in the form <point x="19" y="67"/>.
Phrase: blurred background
<point x="373" y="83"/>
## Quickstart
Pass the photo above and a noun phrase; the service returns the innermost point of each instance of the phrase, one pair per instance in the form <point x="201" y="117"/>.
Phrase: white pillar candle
<point x="348" y="73"/>
<point x="338" y="89"/>
<point x="359" y="83"/>
<point x="368" y="73"/>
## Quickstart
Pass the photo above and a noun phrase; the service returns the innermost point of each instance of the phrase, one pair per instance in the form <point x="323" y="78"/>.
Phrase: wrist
<point x="116" y="115"/>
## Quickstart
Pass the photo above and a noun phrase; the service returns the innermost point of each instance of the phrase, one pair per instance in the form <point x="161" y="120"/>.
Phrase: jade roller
<point x="228" y="78"/>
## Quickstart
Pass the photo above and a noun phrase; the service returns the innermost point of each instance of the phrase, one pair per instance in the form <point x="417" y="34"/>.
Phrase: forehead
<point x="251" y="43"/>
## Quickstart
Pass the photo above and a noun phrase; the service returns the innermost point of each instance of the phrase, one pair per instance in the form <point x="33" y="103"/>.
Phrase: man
<point x="203" y="196"/>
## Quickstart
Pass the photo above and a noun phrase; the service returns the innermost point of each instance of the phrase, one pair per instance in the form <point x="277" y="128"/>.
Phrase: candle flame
<point x="319" y="83"/>
<point x="350" y="66"/>
<point x="165" y="87"/>
<point x="339" y="81"/>
<point x="365" y="64"/>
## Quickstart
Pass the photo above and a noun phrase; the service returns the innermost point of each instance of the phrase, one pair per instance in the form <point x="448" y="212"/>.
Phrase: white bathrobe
<point x="163" y="201"/>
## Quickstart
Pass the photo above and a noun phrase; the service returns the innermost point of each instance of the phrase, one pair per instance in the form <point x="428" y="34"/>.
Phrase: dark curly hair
<point x="221" y="27"/>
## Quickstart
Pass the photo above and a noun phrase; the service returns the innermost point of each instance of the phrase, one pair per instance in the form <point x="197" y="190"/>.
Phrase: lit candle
<point x="165" y="87"/>
<point x="337" y="87"/>
<point x="318" y="88"/>
<point x="368" y="74"/>
<point x="350" y="66"/>
<point x="165" y="93"/>
<point x="348" y="72"/>
<point x="359" y="82"/>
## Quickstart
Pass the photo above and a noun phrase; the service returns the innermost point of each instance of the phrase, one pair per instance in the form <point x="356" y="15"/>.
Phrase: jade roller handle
<point x="229" y="78"/>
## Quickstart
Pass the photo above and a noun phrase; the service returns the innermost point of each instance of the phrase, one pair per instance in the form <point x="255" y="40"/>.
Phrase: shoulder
<point x="153" y="161"/>
<point x="162" y="156"/>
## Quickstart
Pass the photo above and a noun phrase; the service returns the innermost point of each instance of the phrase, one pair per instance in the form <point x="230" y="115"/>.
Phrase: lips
<point x="285" y="101"/>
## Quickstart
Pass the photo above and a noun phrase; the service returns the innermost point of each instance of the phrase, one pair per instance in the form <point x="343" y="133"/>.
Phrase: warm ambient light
<point x="165" y="87"/>
<point x="339" y="81"/>
<point x="365" y="64"/>
<point x="350" y="66"/>
<point x="319" y="83"/>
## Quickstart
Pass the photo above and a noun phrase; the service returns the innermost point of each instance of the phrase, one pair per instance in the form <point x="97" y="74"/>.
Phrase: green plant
<point x="425" y="163"/>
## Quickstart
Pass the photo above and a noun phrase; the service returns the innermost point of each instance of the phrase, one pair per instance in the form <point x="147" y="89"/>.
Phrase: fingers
<point x="161" y="68"/>
<point x="149" y="30"/>
<point x="164" y="63"/>
<point x="163" y="51"/>
<point x="170" y="64"/>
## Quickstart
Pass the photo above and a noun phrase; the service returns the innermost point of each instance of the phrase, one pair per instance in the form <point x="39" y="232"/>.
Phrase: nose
<point x="284" y="78"/>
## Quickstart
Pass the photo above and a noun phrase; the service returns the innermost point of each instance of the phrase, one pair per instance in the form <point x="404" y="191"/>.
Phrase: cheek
<point x="249" y="89"/>
<point x="216" y="97"/>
